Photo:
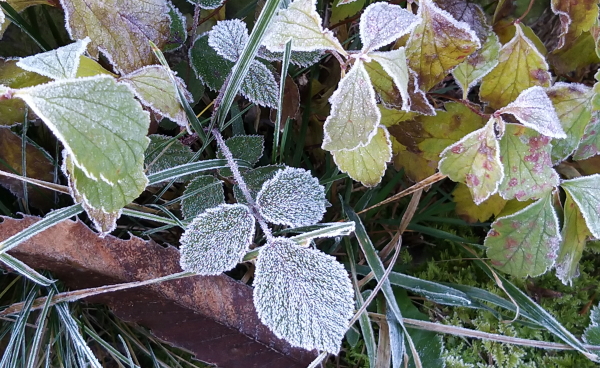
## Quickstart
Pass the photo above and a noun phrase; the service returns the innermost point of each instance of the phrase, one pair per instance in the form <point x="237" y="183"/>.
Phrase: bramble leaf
<point x="438" y="44"/>
<point x="383" y="23"/>
<point x="228" y="38"/>
<point x="475" y="161"/>
<point x="585" y="191"/>
<point x="255" y="179"/>
<point x="244" y="147"/>
<point x="165" y="152"/>
<point x="178" y="29"/>
<point x="217" y="240"/>
<point x="575" y="16"/>
<point x="468" y="73"/>
<point x="590" y="142"/>
<point x="134" y="23"/>
<point x="202" y="193"/>
<point x="303" y="295"/>
<point x="354" y="114"/>
<point x="394" y="64"/>
<point x="534" y="109"/>
<point x="210" y="67"/>
<point x="292" y="197"/>
<point x="260" y="86"/>
<point x="520" y="66"/>
<point x="387" y="91"/>
<point x="528" y="170"/>
<point x="301" y="23"/>
<point x="153" y="87"/>
<point x="106" y="141"/>
<point x="525" y="243"/>
<point x="574" y="236"/>
<point x="207" y="4"/>
<point x="61" y="63"/>
<point x="592" y="332"/>
<point x="367" y="164"/>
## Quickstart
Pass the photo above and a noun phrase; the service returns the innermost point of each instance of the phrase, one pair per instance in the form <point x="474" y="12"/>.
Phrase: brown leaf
<point x="213" y="317"/>
<point x="291" y="103"/>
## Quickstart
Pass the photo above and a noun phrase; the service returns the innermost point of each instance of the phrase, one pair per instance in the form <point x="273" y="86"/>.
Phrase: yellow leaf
<point x="576" y="17"/>
<point x="469" y="211"/>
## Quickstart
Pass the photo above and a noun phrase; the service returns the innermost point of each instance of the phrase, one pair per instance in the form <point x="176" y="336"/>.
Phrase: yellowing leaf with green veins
<point x="576" y="17"/>
<point x="394" y="64"/>
<point x="61" y="63"/>
<point x="475" y="161"/>
<point x="134" y="23"/>
<point x="354" y="114"/>
<point x="391" y="97"/>
<point x="572" y="102"/>
<point x="301" y="23"/>
<point x="585" y="191"/>
<point x="415" y="166"/>
<point x="367" y="164"/>
<point x="438" y="44"/>
<point x="391" y="117"/>
<point x="590" y="142"/>
<point x="520" y="66"/>
<point x="574" y="236"/>
<point x="469" y="211"/>
<point x="525" y="243"/>
<point x="105" y="140"/>
<point x="528" y="170"/>
<point x="533" y="108"/>
<point x="468" y="73"/>
<point x="383" y="23"/>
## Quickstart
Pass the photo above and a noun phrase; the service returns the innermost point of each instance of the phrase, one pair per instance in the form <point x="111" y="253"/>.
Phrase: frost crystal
<point x="254" y="181"/>
<point x="217" y="240"/>
<point x="383" y="23"/>
<point x="292" y="197"/>
<point x="228" y="38"/>
<point x="207" y="4"/>
<point x="260" y="86"/>
<point x="61" y="63"/>
<point x="303" y="295"/>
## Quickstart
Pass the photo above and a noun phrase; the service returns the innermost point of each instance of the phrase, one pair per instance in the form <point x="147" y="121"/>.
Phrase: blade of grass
<point x="18" y="20"/>
<point x="284" y="70"/>
<point x="15" y="343"/>
<point x="82" y="349"/>
<point x="191" y="168"/>
<point x="24" y="270"/>
<point x="39" y="332"/>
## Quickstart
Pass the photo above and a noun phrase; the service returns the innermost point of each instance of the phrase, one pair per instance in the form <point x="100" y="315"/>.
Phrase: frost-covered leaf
<point x="354" y="114"/>
<point x="153" y="87"/>
<point x="383" y="23"/>
<point x="592" y="332"/>
<point x="120" y="29"/>
<point x="394" y="64"/>
<point x="301" y="23"/>
<point x="469" y="211"/>
<point x="469" y="13"/>
<point x="292" y="197"/>
<point x="244" y="147"/>
<point x="585" y="191"/>
<point x="228" y="38"/>
<point x="418" y="99"/>
<point x="574" y="236"/>
<point x="164" y="153"/>
<point x="367" y="164"/>
<point x="101" y="125"/>
<point x="387" y="91"/>
<point x="572" y="102"/>
<point x="178" y="33"/>
<point x="89" y="68"/>
<point x="254" y="180"/>
<point x="528" y="170"/>
<point x="299" y="58"/>
<point x="207" y="4"/>
<point x="260" y="86"/>
<point x="468" y="73"/>
<point x="525" y="243"/>
<point x="475" y="161"/>
<point x="61" y="63"/>
<point x="209" y="66"/>
<point x="303" y="295"/>
<point x="217" y="240"/>
<point x="576" y="17"/>
<point x="438" y="44"/>
<point x="520" y="66"/>
<point x="533" y="108"/>
<point x="590" y="142"/>
<point x="202" y="193"/>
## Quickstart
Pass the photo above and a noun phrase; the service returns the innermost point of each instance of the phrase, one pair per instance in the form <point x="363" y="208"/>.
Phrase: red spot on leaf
<point x="493" y="233"/>
<point x="520" y="194"/>
<point x="513" y="182"/>
<point x="458" y="149"/>
<point x="511" y="244"/>
<point x="472" y="180"/>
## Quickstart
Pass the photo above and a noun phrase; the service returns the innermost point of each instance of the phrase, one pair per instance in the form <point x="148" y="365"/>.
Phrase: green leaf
<point x="207" y="4"/>
<point x="244" y="147"/>
<point x="164" y="153"/>
<point x="301" y="23"/>
<point x="354" y="113"/>
<point x="209" y="66"/>
<point x="292" y="197"/>
<point x="394" y="64"/>
<point x="178" y="30"/>
<point x="438" y="44"/>
<point x="525" y="243"/>
<point x="468" y="73"/>
<point x="339" y="13"/>
<point x="202" y="193"/>
<point x="574" y="236"/>
<point x="528" y="170"/>
<point x="367" y="164"/>
<point x="134" y="23"/>
<point x="228" y="38"/>
<point x="255" y="179"/>
<point x="100" y="124"/>
<point x="592" y="332"/>
<point x="590" y="142"/>
<point x="520" y="66"/>
<point x="475" y="161"/>
<point x="585" y="191"/>
<point x="260" y="86"/>
<point x="572" y="102"/>
<point x="303" y="295"/>
<point x="217" y="240"/>
<point x="152" y="86"/>
<point x="383" y="23"/>
<point x="61" y="63"/>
